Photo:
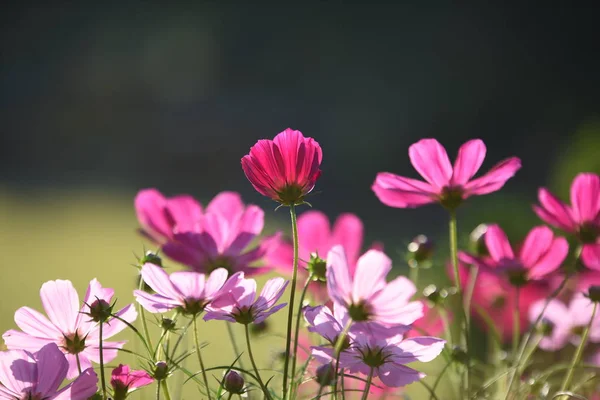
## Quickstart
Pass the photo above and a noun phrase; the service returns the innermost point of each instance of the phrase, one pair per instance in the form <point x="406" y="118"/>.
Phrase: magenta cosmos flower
<point x="445" y="184"/>
<point x="124" y="381"/>
<point x="582" y="218"/>
<point x="69" y="325"/>
<point x="239" y="302"/>
<point x="541" y="254"/>
<point x="187" y="291"/>
<point x="386" y="356"/>
<point x="25" y="376"/>
<point x="366" y="295"/>
<point x="561" y="324"/>
<point x="218" y="237"/>
<point x="285" y="168"/>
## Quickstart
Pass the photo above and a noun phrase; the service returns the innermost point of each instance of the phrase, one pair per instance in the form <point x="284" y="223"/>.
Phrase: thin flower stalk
<point x="200" y="361"/>
<point x="368" y="385"/>
<point x="297" y="333"/>
<point x="251" y="356"/>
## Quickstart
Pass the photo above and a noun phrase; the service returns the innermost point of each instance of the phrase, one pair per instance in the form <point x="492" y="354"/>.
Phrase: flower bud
<point x="151" y="258"/>
<point x="420" y="251"/>
<point x="258" y="328"/>
<point x="435" y="295"/>
<point x="317" y="267"/>
<point x="168" y="324"/>
<point x="100" y="310"/>
<point x="234" y="382"/>
<point x="594" y="294"/>
<point x="161" y="370"/>
<point x="477" y="241"/>
<point x="460" y="355"/>
<point x="326" y="375"/>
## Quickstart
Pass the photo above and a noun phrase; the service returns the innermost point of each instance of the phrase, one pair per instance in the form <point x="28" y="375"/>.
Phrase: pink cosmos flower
<point x="366" y="295"/>
<point x="188" y="291"/>
<point x="124" y="381"/>
<point x="541" y="254"/>
<point x="430" y="324"/>
<point x="582" y="218"/>
<point x="68" y="325"/>
<point x="386" y="356"/>
<point x="24" y="375"/>
<point x="239" y="302"/>
<point x="445" y="184"/>
<point x="204" y="240"/>
<point x="316" y="238"/>
<point x="285" y="168"/>
<point x="563" y="324"/>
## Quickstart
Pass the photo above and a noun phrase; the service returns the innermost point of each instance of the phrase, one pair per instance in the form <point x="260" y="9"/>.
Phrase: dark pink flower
<point x="187" y="291"/>
<point x="540" y="255"/>
<point x="125" y="381"/>
<point x="366" y="295"/>
<point x="446" y="184"/>
<point x="69" y="325"/>
<point x="429" y="324"/>
<point x="25" y="375"/>
<point x="285" y="168"/>
<point x="582" y="218"/>
<point x="239" y="303"/>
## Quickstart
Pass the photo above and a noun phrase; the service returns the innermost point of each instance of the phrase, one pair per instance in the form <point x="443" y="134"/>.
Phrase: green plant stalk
<point x="439" y="379"/>
<point x="78" y="363"/>
<point x="143" y="317"/>
<point x="413" y="274"/>
<point x="297" y="333"/>
<point x="258" y="378"/>
<point x="516" y="322"/>
<point x="102" y="379"/>
<point x="368" y="385"/>
<point x="579" y="352"/>
<point x="165" y="389"/>
<point x="337" y="351"/>
<point x="288" y="341"/>
<point x="157" y="390"/>
<point x="473" y="272"/>
<point x="199" y="353"/>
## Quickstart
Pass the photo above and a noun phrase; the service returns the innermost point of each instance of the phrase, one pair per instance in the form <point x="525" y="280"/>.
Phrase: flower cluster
<point x="349" y="330"/>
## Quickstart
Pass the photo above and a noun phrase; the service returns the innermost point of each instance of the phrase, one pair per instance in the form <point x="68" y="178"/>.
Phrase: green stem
<point x="258" y="378"/>
<point x="288" y="341"/>
<point x="199" y="353"/>
<point x="446" y="325"/>
<point x="321" y="387"/>
<point x="439" y="379"/>
<point x="516" y="322"/>
<point x="525" y="341"/>
<point x="579" y="352"/>
<point x="236" y="349"/>
<point x="297" y="333"/>
<point x="469" y="292"/>
<point x="230" y="396"/>
<point x="165" y="389"/>
<point x="368" y="386"/>
<point x="101" y="361"/>
<point x="158" y="390"/>
<point x="337" y="351"/>
<point x="413" y="274"/>
<point x="143" y="317"/>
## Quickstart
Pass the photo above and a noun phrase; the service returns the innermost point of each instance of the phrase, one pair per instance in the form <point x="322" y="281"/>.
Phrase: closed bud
<point x="435" y="295"/>
<point x="594" y="294"/>
<point x="317" y="267"/>
<point x="100" y="310"/>
<point x="234" y="382"/>
<point x="161" y="370"/>
<point x="420" y="251"/>
<point x="326" y="375"/>
<point x="477" y="241"/>
<point x="151" y="258"/>
<point x="460" y="355"/>
<point x="168" y="324"/>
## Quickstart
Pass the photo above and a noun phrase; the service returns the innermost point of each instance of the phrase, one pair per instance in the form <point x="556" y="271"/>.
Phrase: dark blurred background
<point x="98" y="101"/>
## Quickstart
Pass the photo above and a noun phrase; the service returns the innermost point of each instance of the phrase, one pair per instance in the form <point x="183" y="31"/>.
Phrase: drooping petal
<point x="14" y="339"/>
<point x="494" y="179"/>
<point x="34" y="323"/>
<point x="585" y="197"/>
<point x="422" y="348"/>
<point x="430" y="160"/>
<point x="498" y="244"/>
<point x="395" y="375"/>
<point x="313" y="233"/>
<point x="468" y="161"/>
<point x="339" y="283"/>
<point x="150" y="209"/>
<point x="536" y="244"/>
<point x="551" y="260"/>
<point x="17" y="370"/>
<point x="371" y="270"/>
<point x="554" y="212"/>
<point x="52" y="367"/>
<point x="264" y="314"/>
<point x="322" y="322"/>
<point x="82" y="388"/>
<point x="155" y="303"/>
<point x="348" y="231"/>
<point x="400" y="192"/>
<point x="590" y="255"/>
<point x="271" y="293"/>
<point x="159" y="281"/>
<point x="61" y="302"/>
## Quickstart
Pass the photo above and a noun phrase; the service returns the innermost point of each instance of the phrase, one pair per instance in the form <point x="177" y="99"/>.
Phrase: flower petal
<point x="430" y="160"/>
<point x="585" y="197"/>
<point x="394" y="375"/>
<point x="551" y="260"/>
<point x="155" y="303"/>
<point x="339" y="283"/>
<point x="184" y="213"/>
<point x="189" y="284"/>
<point x="150" y="210"/>
<point x="34" y="323"/>
<point x="158" y="280"/>
<point x="498" y="244"/>
<point x="348" y="231"/>
<point x="115" y="325"/>
<point x="14" y="339"/>
<point x="17" y="371"/>
<point x="554" y="212"/>
<point x="61" y="302"/>
<point x="494" y="179"/>
<point x="371" y="271"/>
<point x="249" y="225"/>
<point x="82" y="388"/>
<point x="271" y="293"/>
<point x="313" y="233"/>
<point x="468" y="161"/>
<point x="400" y="192"/>
<point x="421" y="348"/>
<point x="536" y="244"/>
<point x="52" y="367"/>
<point x="226" y="204"/>
<point x="590" y="256"/>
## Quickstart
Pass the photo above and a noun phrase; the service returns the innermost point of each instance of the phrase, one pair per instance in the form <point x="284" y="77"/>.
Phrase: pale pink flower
<point x="187" y="291"/>
<point x="541" y="254"/>
<point x="124" y="381"/>
<point x="68" y="325"/>
<point x="285" y="168"/>
<point x="386" y="356"/>
<point x="564" y="324"/>
<point x="446" y="184"/>
<point x="366" y="295"/>
<point x="239" y="302"/>
<point x="25" y="375"/>
<point x="582" y="218"/>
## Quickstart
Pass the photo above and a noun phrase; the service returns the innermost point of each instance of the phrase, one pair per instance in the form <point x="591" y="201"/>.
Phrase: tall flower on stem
<point x="285" y="169"/>
<point x="25" y="375"/>
<point x="69" y="325"/>
<point x="581" y="219"/>
<point x="124" y="381"/>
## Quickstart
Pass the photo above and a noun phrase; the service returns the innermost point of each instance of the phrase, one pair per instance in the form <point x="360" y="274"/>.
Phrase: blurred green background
<point x="99" y="101"/>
